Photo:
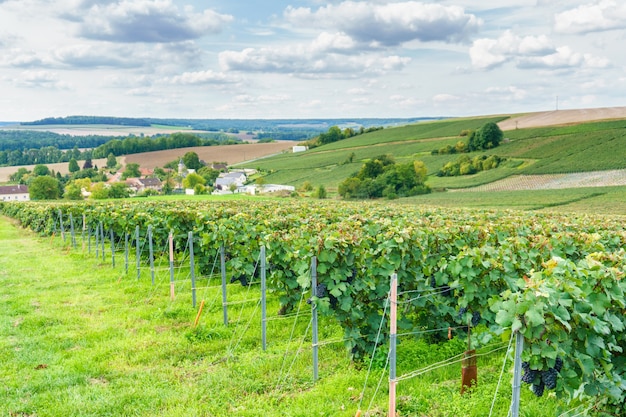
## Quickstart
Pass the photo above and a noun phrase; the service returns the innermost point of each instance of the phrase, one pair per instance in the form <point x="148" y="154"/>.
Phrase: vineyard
<point x="557" y="280"/>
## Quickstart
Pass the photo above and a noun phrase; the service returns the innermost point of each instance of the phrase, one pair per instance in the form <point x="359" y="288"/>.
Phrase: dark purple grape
<point x="537" y="389"/>
<point x="475" y="318"/>
<point x="558" y="364"/>
<point x="529" y="375"/>
<point x="549" y="378"/>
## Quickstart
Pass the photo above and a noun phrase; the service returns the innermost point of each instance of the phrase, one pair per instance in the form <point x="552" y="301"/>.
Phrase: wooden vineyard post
<point x="263" y="301"/>
<point x="89" y="239"/>
<point x="171" y="241"/>
<point x="314" y="335"/>
<point x="112" y="236"/>
<point x="151" y="249"/>
<point x="517" y="374"/>
<point x="102" y="240"/>
<point x="393" y="317"/>
<point x="137" y="252"/>
<point x="192" y="268"/>
<point x="224" y="297"/>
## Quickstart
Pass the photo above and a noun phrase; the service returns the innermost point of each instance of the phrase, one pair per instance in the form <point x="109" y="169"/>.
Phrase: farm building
<point x="299" y="148"/>
<point x="224" y="181"/>
<point x="141" y="184"/>
<point x="14" y="193"/>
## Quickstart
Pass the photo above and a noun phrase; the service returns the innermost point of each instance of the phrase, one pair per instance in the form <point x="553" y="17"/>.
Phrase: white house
<point x="224" y="181"/>
<point x="14" y="193"/>
<point x="299" y="148"/>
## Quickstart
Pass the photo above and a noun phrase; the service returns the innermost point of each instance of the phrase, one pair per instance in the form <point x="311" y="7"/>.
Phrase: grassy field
<point x="81" y="338"/>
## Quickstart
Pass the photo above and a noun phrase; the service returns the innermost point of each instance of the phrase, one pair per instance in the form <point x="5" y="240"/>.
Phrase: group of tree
<point x="465" y="165"/>
<point x="11" y="140"/>
<point x="335" y="134"/>
<point x="486" y="137"/>
<point x="177" y="140"/>
<point x="14" y="153"/>
<point x="89" y="120"/>
<point x="383" y="177"/>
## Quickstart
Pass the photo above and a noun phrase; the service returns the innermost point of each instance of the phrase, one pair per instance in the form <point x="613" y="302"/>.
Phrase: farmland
<point x="441" y="252"/>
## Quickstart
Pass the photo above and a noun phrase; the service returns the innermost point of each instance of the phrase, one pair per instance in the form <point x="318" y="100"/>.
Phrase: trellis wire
<point x="495" y="395"/>
<point x="380" y="327"/>
<point x="293" y="328"/>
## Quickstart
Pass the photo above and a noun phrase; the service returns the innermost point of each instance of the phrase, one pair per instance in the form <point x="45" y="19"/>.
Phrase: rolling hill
<point x="557" y="142"/>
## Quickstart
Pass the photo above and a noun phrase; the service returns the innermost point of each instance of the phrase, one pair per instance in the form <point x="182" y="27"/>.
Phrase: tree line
<point x="102" y="147"/>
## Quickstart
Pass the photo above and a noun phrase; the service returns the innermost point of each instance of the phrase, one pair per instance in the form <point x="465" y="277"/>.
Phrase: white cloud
<point x="91" y="56"/>
<point x="204" y="77"/>
<point x="148" y="21"/>
<point x="445" y="98"/>
<point x="40" y="79"/>
<point x="529" y="52"/>
<point x="490" y="53"/>
<point x="320" y="58"/>
<point x="564" y="57"/>
<point x="389" y="24"/>
<point x="593" y="17"/>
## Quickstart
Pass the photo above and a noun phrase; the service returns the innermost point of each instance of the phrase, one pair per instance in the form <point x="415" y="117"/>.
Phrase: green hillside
<point x="574" y="148"/>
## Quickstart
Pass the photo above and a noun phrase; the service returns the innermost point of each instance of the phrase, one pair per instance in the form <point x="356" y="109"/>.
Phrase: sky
<point x="208" y="59"/>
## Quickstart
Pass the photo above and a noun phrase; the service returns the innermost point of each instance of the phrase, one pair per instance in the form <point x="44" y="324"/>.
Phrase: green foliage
<point x="191" y="180"/>
<point x="73" y="192"/>
<point x="467" y="166"/>
<point x="192" y="161"/>
<point x="73" y="166"/>
<point x="320" y="193"/>
<point x="131" y="171"/>
<point x="382" y="177"/>
<point x="44" y="188"/>
<point x="20" y="175"/>
<point x="209" y="174"/>
<point x="487" y="137"/>
<point x="40" y="170"/>
<point x="111" y="161"/>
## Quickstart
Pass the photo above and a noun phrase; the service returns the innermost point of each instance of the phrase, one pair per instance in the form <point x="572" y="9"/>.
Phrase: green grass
<point x="81" y="338"/>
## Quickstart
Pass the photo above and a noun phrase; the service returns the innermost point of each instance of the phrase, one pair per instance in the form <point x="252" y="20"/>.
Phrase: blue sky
<point x="308" y="58"/>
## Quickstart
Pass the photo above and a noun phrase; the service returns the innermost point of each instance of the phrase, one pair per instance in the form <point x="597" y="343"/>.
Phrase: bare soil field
<point x="562" y="117"/>
<point x="231" y="154"/>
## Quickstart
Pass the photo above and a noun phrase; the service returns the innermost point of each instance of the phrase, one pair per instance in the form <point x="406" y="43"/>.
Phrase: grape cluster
<point x="462" y="312"/>
<point x="529" y="374"/>
<point x="541" y="380"/>
<point x="320" y="291"/>
<point x="549" y="378"/>
<point x="475" y="318"/>
<point x="241" y="278"/>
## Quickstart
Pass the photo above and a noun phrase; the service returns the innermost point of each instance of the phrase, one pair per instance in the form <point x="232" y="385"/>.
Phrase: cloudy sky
<point x="308" y="58"/>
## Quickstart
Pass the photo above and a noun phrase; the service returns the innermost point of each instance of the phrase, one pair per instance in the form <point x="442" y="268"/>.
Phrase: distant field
<point x="104" y="130"/>
<point x="230" y="154"/>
